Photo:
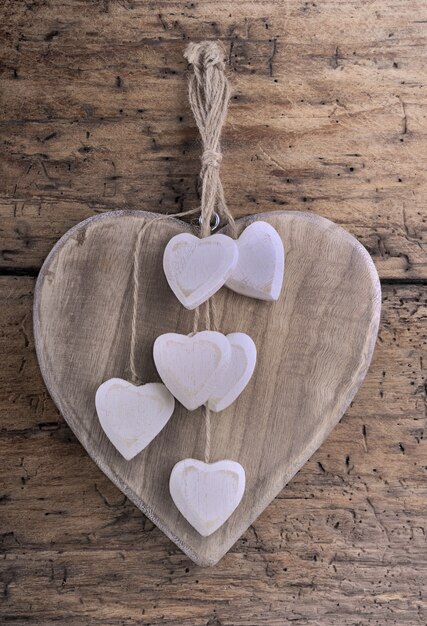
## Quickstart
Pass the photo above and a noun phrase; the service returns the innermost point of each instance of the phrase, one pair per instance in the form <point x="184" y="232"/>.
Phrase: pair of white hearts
<point x="206" y="494"/>
<point x="252" y="265"/>
<point x="206" y="368"/>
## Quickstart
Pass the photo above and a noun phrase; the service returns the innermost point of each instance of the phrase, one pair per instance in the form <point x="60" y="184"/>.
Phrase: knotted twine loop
<point x="209" y="96"/>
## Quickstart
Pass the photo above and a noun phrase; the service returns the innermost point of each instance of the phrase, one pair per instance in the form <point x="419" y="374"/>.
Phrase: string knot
<point x="209" y="95"/>
<point x="211" y="158"/>
<point x="204" y="54"/>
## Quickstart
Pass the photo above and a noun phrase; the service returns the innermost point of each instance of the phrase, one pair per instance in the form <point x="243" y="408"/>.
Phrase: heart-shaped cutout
<point x="314" y="345"/>
<point x="131" y="416"/>
<point x="196" y="268"/>
<point x="259" y="270"/>
<point x="206" y="494"/>
<point x="189" y="366"/>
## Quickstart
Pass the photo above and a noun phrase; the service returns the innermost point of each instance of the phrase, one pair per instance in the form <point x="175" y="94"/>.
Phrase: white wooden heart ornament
<point x="314" y="345"/>
<point x="189" y="365"/>
<point x="196" y="268"/>
<point x="206" y="494"/>
<point x="258" y="272"/>
<point x="131" y="416"/>
<point x="235" y="375"/>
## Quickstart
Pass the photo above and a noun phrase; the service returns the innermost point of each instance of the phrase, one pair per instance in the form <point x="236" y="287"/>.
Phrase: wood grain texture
<point x="94" y="117"/>
<point x="328" y="115"/>
<point x="344" y="543"/>
<point x="314" y="346"/>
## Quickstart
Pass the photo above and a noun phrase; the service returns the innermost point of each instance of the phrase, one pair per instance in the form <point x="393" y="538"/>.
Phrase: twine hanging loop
<point x="209" y="96"/>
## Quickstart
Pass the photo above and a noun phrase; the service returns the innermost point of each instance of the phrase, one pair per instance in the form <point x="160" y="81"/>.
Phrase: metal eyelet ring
<point x="215" y="221"/>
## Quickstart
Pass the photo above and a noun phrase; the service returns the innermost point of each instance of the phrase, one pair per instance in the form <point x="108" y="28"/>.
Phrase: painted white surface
<point x="196" y="268"/>
<point x="189" y="365"/>
<point x="131" y="416"/>
<point x="235" y="375"/>
<point x="259" y="270"/>
<point x="206" y="494"/>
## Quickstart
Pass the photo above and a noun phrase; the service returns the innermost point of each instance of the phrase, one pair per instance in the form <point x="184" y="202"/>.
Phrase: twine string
<point x="135" y="378"/>
<point x="208" y="434"/>
<point x="209" y="96"/>
<point x="209" y="315"/>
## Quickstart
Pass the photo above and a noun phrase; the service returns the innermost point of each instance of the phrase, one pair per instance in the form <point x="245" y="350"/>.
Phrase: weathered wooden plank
<point x="345" y="540"/>
<point x="85" y="88"/>
<point x="329" y="116"/>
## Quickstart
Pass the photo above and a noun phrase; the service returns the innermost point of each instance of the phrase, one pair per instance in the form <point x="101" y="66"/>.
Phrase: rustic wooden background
<point x="328" y="115"/>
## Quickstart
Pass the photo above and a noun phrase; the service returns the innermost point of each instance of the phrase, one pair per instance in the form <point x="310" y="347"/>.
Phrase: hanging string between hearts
<point x="209" y="96"/>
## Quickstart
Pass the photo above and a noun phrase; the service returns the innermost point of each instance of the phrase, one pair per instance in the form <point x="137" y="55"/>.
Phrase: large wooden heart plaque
<point x="314" y="347"/>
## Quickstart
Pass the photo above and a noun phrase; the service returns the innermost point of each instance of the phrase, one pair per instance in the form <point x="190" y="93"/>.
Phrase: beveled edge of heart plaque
<point x="209" y="554"/>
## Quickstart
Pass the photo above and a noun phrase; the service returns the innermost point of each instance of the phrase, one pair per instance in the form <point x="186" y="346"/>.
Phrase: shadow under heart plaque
<point x="200" y="371"/>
